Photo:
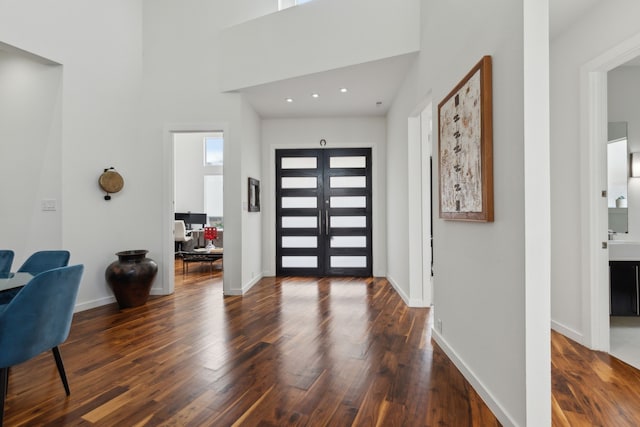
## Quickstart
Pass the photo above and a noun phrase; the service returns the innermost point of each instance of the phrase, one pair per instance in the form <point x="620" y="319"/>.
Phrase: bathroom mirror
<point x="617" y="177"/>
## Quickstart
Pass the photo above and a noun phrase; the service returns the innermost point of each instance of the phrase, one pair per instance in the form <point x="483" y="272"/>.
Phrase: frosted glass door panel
<point x="348" y="222"/>
<point x="300" y="262"/>
<point x="348" y="181"/>
<point x="299" y="202"/>
<point x="348" y="262"/>
<point x="348" y="162"/>
<point x="299" y="221"/>
<point x="299" y="163"/>
<point x="349" y="241"/>
<point x="348" y="202"/>
<point x="299" y="241"/>
<point x="300" y="182"/>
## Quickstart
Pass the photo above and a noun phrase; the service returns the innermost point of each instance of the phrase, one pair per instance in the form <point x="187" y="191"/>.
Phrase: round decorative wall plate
<point x="111" y="181"/>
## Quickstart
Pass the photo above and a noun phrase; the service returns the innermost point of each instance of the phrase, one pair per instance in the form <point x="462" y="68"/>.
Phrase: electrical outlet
<point x="439" y="327"/>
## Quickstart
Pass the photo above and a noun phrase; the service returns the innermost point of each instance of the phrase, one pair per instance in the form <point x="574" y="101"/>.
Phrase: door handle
<point x="326" y="222"/>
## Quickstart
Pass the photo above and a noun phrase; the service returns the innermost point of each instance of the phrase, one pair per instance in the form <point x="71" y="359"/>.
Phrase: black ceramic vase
<point x="130" y="277"/>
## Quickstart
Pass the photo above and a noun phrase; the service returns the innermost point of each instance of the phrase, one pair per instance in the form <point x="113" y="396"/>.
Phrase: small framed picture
<point x="254" y="195"/>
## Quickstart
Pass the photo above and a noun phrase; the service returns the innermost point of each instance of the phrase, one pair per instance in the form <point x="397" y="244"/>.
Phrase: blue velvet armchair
<point x="37" y="263"/>
<point x="6" y="259"/>
<point x="36" y="320"/>
<point x="45" y="260"/>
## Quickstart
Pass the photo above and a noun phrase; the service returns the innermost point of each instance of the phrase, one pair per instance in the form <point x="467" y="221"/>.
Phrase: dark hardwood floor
<point x="592" y="388"/>
<point x="293" y="351"/>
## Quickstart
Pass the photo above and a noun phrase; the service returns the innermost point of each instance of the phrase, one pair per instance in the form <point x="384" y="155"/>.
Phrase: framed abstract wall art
<point x="465" y="148"/>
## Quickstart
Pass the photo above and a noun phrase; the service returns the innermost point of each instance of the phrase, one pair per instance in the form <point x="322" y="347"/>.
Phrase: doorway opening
<point x="623" y="198"/>
<point x="194" y="196"/>
<point x="596" y="249"/>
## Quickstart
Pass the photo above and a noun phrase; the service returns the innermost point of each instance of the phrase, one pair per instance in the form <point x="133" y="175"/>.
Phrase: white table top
<point x="14" y="280"/>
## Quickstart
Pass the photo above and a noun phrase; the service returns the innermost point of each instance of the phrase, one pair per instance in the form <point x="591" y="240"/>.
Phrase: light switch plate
<point x="49" y="204"/>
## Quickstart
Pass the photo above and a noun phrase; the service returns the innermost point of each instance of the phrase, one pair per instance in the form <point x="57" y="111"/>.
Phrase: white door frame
<point x="593" y="126"/>
<point x="426" y="145"/>
<point x="419" y="205"/>
<point x="168" y="192"/>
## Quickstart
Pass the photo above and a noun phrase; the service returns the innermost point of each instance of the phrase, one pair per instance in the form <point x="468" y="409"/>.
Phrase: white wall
<point x="106" y="79"/>
<point x="624" y="106"/>
<point x="479" y="282"/>
<point x="100" y="98"/>
<point x="251" y="221"/>
<point x="181" y="92"/>
<point x="604" y="27"/>
<point x="339" y="133"/>
<point x="317" y="36"/>
<point x="398" y="177"/>
<point x="480" y="279"/>
<point x="30" y="146"/>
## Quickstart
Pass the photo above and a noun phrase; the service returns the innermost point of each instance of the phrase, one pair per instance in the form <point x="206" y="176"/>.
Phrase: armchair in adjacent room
<point x="182" y="238"/>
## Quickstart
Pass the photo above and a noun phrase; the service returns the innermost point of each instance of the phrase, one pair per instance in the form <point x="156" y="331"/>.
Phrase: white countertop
<point x="624" y="250"/>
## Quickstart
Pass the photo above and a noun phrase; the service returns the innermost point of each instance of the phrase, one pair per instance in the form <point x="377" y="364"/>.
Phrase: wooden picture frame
<point x="465" y="148"/>
<point x="253" y="204"/>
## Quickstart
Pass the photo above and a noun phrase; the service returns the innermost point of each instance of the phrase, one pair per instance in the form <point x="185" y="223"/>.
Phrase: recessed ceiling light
<point x="343" y="89"/>
<point x="289" y="99"/>
<point x="315" y="95"/>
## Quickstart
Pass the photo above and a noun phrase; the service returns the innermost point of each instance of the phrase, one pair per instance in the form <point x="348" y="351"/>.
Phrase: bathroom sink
<point x="624" y="250"/>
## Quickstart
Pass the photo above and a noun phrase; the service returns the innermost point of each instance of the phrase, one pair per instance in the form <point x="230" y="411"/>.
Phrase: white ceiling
<point x="371" y="88"/>
<point x="367" y="83"/>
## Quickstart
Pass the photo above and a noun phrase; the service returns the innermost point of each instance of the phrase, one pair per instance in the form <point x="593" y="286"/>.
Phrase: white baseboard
<point x="94" y="303"/>
<point x="410" y="302"/>
<point x="418" y="303"/>
<point x="245" y="288"/>
<point x="158" y="291"/>
<point x="251" y="284"/>
<point x="502" y="416"/>
<point x="399" y="290"/>
<point x="568" y="332"/>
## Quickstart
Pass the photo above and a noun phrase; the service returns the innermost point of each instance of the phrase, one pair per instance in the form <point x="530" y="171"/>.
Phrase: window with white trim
<point x="284" y="4"/>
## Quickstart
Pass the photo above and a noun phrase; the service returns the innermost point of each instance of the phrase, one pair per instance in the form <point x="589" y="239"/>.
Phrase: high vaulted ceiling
<point x="371" y="86"/>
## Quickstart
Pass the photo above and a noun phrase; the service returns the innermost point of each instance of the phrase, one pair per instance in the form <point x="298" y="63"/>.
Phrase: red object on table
<point x="210" y="233"/>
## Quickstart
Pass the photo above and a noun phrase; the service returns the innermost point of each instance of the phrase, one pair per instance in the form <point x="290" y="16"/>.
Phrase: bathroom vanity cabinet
<point x="624" y="288"/>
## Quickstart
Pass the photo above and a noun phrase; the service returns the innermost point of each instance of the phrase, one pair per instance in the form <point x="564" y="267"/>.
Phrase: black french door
<point x="323" y="212"/>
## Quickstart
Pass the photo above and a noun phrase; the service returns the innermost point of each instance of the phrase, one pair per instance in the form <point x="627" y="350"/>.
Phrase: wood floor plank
<point x="291" y="352"/>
